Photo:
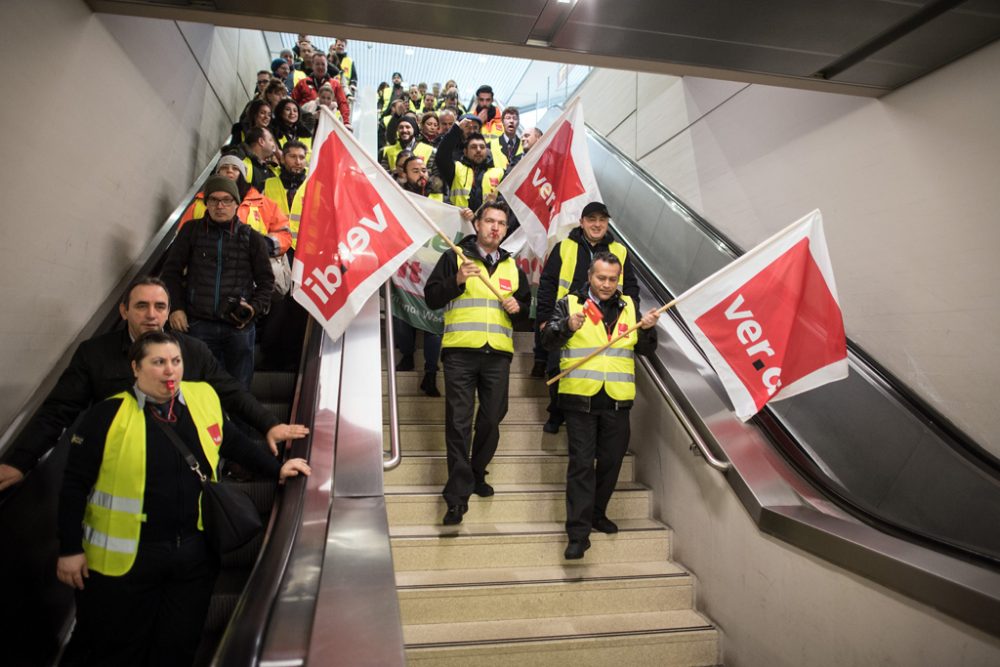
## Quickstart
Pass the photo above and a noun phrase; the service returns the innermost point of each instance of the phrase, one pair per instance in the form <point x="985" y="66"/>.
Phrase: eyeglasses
<point x="220" y="201"/>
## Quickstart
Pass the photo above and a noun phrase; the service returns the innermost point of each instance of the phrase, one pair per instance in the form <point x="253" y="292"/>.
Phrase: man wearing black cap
<point x="565" y="271"/>
<point x="220" y="280"/>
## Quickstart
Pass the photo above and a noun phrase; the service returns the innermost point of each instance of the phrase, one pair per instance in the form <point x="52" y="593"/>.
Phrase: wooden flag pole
<point x="581" y="362"/>
<point x="458" y="251"/>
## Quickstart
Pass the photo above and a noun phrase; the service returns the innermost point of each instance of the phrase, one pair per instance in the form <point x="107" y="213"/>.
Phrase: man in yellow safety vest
<point x="596" y="397"/>
<point x="478" y="346"/>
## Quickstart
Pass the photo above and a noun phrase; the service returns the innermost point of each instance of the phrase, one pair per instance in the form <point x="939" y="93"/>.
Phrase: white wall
<point x="908" y="189"/>
<point x="108" y="120"/>
<point x="774" y="605"/>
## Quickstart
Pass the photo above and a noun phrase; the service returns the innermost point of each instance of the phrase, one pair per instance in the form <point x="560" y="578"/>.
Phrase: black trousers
<point x="466" y="374"/>
<point x="599" y="436"/>
<point x="152" y="615"/>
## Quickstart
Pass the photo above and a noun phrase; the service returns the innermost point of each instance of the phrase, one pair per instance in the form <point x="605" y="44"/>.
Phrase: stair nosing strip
<point x="529" y="582"/>
<point x="437" y="494"/>
<point x="559" y="638"/>
<point x="560" y="531"/>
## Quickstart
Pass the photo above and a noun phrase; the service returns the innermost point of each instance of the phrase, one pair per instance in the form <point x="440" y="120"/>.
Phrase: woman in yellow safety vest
<point x="289" y="124"/>
<point x="131" y="540"/>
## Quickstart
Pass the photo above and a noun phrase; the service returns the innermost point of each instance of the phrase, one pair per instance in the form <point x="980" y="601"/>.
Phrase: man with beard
<point x="286" y="190"/>
<point x="473" y="179"/>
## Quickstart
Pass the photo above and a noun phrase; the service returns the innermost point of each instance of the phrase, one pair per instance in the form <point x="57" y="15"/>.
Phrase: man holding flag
<point x="478" y="346"/>
<point x="567" y="270"/>
<point x="596" y="397"/>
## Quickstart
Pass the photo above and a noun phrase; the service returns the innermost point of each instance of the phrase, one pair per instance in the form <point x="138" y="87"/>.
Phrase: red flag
<point x="357" y="227"/>
<point x="770" y="322"/>
<point x="549" y="187"/>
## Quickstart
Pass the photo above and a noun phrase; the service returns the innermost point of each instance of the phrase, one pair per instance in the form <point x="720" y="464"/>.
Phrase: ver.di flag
<point x="357" y="227"/>
<point x="549" y="187"/>
<point x="770" y="322"/>
<point x="408" y="282"/>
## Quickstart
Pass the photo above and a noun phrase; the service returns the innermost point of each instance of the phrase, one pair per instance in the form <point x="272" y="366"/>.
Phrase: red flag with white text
<point x="770" y="322"/>
<point x="357" y="227"/>
<point x="549" y="187"/>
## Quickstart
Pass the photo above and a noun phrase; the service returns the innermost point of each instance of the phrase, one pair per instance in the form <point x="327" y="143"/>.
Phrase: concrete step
<point x="408" y="384"/>
<point x="540" y="592"/>
<point x="524" y="341"/>
<point x="661" y="638"/>
<point x="509" y="545"/>
<point x="525" y="437"/>
<point x="416" y="505"/>
<point x="507" y="467"/>
<point x="424" y="409"/>
<point x="521" y="362"/>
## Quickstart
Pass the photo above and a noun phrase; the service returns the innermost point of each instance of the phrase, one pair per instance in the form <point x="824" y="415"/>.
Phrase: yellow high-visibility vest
<point x="346" y="67"/>
<point x="275" y="190"/>
<point x="499" y="157"/>
<point x="421" y="149"/>
<point x="461" y="185"/>
<point x="613" y="369"/>
<point x="113" y="518"/>
<point x="475" y="317"/>
<point x="568" y="251"/>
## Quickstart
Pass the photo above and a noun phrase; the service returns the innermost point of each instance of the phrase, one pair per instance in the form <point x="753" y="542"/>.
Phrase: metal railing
<point x="395" y="454"/>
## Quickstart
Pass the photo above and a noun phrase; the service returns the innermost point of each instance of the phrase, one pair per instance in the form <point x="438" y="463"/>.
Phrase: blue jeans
<point x="232" y="347"/>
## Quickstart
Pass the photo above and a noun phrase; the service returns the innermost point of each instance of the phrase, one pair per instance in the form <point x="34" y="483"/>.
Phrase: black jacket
<point x="557" y="333"/>
<point x="442" y="287"/>
<point x="172" y="490"/>
<point x="449" y="152"/>
<point x="210" y="287"/>
<point x="100" y="369"/>
<point x="548" y="283"/>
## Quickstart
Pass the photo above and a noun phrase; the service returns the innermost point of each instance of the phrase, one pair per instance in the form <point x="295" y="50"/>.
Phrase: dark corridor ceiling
<point x="865" y="47"/>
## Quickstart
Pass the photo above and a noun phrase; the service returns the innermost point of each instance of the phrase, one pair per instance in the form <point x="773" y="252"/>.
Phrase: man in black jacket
<point x="100" y="369"/>
<point x="565" y="271"/>
<point x="597" y="397"/>
<point x="228" y="280"/>
<point x="477" y="350"/>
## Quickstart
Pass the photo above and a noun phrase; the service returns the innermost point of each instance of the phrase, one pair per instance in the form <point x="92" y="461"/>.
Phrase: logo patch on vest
<point x="505" y="284"/>
<point x="622" y="328"/>
<point x="215" y="433"/>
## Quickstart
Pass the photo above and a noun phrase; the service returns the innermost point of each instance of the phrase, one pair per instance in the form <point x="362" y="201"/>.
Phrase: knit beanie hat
<point x="276" y="63"/>
<point x="221" y="184"/>
<point x="233" y="160"/>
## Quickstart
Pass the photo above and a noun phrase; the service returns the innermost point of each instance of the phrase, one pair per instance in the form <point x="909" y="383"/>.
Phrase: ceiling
<point x="863" y="47"/>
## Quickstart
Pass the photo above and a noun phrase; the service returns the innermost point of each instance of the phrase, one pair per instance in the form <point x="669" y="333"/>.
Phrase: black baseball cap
<point x="594" y="207"/>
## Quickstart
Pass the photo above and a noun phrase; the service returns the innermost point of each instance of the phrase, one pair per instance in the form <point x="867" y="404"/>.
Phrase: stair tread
<point x="554" y="628"/>
<point x="415" y="579"/>
<point x="628" y="528"/>
<point x="501" y="454"/>
<point x="419" y="490"/>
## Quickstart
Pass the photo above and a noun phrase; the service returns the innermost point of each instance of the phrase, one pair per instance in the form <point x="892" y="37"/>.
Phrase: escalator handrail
<point x="952" y="434"/>
<point x="395" y="453"/>
<point x="106" y="317"/>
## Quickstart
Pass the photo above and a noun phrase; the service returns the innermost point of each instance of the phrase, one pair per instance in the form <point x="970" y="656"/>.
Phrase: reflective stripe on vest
<point x="476" y="318"/>
<point x="113" y="519"/>
<point x="613" y="369"/>
<point x="568" y="252"/>
<point x="461" y="186"/>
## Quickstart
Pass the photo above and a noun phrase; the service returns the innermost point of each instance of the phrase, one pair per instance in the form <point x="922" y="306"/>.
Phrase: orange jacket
<point x="256" y="210"/>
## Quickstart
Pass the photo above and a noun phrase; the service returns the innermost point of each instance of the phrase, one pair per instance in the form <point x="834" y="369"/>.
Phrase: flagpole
<point x="581" y="362"/>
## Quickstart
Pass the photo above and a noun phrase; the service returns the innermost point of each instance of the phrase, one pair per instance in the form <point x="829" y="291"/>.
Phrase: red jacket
<point x="306" y="90"/>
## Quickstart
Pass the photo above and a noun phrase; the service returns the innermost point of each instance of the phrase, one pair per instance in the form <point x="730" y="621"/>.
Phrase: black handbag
<point x="228" y="515"/>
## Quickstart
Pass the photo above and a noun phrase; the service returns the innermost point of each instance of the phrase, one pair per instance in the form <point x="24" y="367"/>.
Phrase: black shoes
<point x="454" y="514"/>
<point x="538" y="370"/>
<point x="429" y="385"/>
<point x="551" y="426"/>
<point x="576" y="549"/>
<point x="483" y="489"/>
<point x="405" y="363"/>
<point x="604" y="525"/>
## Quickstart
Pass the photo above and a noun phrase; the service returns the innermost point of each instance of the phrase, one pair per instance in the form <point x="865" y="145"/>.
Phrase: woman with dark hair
<point x="288" y="124"/>
<point x="258" y="114"/>
<point x="131" y="538"/>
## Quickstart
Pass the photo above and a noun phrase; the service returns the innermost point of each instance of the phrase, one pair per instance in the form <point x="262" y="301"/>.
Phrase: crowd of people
<point x="130" y="529"/>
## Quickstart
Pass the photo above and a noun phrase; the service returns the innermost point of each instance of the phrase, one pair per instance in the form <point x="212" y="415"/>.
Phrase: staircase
<point x="495" y="589"/>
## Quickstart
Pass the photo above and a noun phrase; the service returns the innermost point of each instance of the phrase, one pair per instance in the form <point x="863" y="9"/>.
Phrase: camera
<point x="238" y="311"/>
